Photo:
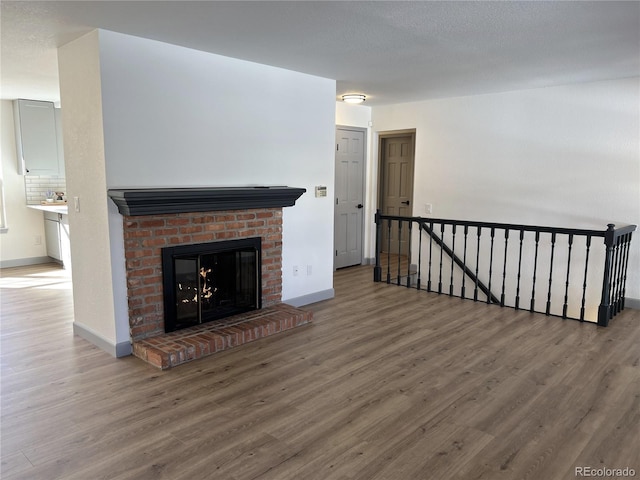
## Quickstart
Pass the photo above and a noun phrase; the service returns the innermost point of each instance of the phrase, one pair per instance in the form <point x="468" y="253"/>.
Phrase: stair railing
<point x="575" y="275"/>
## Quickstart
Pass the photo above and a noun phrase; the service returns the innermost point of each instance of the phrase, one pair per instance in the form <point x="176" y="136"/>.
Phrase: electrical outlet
<point x="428" y="208"/>
<point x="296" y="271"/>
<point x="37" y="240"/>
<point x="309" y="270"/>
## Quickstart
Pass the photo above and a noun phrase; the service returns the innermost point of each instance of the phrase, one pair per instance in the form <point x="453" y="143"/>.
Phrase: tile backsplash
<point x="36" y="187"/>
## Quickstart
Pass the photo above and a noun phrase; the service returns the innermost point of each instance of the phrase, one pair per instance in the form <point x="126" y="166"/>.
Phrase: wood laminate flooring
<point x="386" y="383"/>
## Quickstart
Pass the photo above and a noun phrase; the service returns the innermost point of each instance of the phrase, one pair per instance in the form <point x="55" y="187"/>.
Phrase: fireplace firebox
<point x="209" y="281"/>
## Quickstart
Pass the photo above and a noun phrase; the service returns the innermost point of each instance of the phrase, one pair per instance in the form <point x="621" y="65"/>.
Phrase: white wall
<point x="94" y="303"/>
<point x="140" y="113"/>
<point x="180" y="117"/>
<point x="564" y="156"/>
<point x="353" y="115"/>
<point x="18" y="244"/>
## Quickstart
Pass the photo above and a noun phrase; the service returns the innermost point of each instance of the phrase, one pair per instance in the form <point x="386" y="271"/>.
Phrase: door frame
<point x="365" y="156"/>
<point x="382" y="136"/>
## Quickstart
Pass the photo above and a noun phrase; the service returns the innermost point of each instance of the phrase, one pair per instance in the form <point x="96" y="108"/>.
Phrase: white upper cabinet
<point x="37" y="138"/>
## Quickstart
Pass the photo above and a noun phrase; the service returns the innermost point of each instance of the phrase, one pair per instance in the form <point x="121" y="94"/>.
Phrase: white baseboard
<point x="23" y="262"/>
<point x="117" y="350"/>
<point x="311" y="298"/>
<point x="633" y="303"/>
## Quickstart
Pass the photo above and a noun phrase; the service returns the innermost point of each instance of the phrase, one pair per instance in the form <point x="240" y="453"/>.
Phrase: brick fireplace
<point x="157" y="218"/>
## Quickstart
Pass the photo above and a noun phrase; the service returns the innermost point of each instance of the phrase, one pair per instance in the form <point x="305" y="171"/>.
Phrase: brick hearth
<point x="171" y="349"/>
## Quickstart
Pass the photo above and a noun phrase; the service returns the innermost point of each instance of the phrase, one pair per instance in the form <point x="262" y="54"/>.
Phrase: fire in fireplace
<point x="210" y="281"/>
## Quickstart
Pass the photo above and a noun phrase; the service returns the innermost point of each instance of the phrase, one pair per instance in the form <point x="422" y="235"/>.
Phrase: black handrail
<point x="616" y="259"/>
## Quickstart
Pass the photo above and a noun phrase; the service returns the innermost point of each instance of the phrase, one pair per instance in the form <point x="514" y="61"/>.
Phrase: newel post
<point x="377" y="270"/>
<point x="604" y="310"/>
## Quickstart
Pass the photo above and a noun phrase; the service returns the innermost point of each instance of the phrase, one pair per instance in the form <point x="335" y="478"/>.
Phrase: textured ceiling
<point x="392" y="51"/>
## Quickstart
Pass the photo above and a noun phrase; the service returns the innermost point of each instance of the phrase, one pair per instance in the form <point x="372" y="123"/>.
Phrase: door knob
<point x="406" y="202"/>
<point x="360" y="205"/>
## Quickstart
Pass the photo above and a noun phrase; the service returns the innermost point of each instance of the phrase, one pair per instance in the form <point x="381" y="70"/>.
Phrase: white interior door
<point x="349" y="187"/>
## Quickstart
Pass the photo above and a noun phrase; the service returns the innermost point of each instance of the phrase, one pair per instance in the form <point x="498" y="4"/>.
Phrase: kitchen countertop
<point x="56" y="208"/>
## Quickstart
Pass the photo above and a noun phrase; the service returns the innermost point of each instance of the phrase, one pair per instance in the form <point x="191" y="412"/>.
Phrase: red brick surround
<point x="145" y="236"/>
<point x="155" y="218"/>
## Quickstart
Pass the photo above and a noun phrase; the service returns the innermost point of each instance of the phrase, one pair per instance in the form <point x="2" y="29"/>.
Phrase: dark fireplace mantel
<point x="153" y="201"/>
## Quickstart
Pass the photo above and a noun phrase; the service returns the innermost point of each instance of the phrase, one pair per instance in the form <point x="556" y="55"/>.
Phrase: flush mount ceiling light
<point x="354" y="98"/>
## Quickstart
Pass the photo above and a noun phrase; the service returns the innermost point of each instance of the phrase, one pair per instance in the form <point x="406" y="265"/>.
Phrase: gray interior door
<point x="397" y="187"/>
<point x="350" y="158"/>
